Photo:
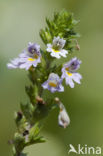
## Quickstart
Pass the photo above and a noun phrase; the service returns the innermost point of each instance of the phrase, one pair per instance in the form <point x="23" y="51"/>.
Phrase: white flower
<point x="56" y="48"/>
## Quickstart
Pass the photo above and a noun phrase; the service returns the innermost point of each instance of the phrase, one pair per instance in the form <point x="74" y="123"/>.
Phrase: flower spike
<point x="58" y="37"/>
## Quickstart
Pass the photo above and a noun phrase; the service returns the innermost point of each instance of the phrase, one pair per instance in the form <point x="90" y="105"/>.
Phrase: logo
<point x="84" y="149"/>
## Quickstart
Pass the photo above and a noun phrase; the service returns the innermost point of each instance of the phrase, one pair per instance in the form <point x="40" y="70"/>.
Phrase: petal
<point x="23" y="54"/>
<point x="45" y="84"/>
<point x="55" y="55"/>
<point x="64" y="51"/>
<point x="23" y="60"/>
<point x="11" y="66"/>
<point x="77" y="77"/>
<point x="73" y="64"/>
<point x="52" y="89"/>
<point x="62" y="54"/>
<point x="69" y="81"/>
<point x="35" y="63"/>
<point x="49" y="45"/>
<point x="25" y="65"/>
<point x="64" y="75"/>
<point x="49" y="48"/>
<point x="61" y="88"/>
<point x="14" y="63"/>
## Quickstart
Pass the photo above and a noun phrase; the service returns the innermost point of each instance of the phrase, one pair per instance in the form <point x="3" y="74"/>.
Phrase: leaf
<point x="40" y="139"/>
<point x="27" y="110"/>
<point x="32" y="92"/>
<point x="34" y="131"/>
<point x="61" y="25"/>
<point x="34" y="135"/>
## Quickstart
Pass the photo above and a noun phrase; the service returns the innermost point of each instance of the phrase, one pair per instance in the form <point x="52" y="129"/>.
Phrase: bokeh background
<point x="20" y="22"/>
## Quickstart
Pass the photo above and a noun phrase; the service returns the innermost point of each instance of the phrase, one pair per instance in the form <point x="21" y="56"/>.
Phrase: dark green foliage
<point x="32" y="92"/>
<point x="34" y="135"/>
<point x="27" y="110"/>
<point x="62" y="25"/>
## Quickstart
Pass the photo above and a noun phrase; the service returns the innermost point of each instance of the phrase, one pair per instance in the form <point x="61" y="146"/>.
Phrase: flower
<point x="69" y="72"/>
<point x="56" y="48"/>
<point x="53" y="83"/>
<point x="63" y="118"/>
<point x="28" y="58"/>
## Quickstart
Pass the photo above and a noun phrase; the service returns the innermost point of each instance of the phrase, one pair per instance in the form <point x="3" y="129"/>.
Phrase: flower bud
<point x="63" y="118"/>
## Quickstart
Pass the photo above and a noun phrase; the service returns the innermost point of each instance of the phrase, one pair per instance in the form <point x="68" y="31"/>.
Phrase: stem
<point x="26" y="133"/>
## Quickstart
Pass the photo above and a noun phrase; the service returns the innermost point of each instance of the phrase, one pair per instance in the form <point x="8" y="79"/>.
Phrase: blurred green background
<point x="20" y="22"/>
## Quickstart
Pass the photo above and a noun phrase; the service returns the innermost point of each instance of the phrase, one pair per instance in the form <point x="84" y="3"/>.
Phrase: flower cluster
<point x="32" y="56"/>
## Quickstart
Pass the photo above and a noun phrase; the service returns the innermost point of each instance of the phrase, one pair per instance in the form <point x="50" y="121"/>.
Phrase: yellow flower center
<point x="56" y="51"/>
<point x="70" y="74"/>
<point x="67" y="69"/>
<point x="52" y="84"/>
<point x="31" y="59"/>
